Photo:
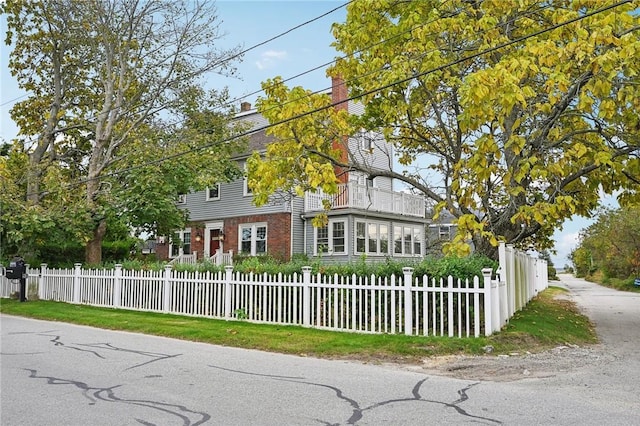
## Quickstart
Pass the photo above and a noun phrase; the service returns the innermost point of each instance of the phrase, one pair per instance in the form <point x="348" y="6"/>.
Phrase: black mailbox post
<point x="17" y="270"/>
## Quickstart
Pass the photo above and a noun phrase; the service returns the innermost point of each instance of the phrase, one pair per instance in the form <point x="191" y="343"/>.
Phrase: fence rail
<point x="407" y="304"/>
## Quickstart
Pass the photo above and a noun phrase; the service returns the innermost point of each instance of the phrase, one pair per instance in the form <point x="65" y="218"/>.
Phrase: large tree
<point x="511" y="118"/>
<point x="611" y="244"/>
<point x="114" y="85"/>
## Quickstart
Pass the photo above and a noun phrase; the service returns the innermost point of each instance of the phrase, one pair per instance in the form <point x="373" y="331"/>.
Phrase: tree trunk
<point x="482" y="245"/>
<point x="93" y="251"/>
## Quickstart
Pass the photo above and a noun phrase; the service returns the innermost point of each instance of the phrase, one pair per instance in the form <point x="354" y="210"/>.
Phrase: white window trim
<point x="253" y="227"/>
<point x="182" y="199"/>
<point x="245" y="183"/>
<point x="208" y="193"/>
<point x="366" y="251"/>
<point x="404" y="227"/>
<point x="444" y="235"/>
<point x="330" y="248"/>
<point x="181" y="247"/>
<point x="366" y="140"/>
<point x="245" y="188"/>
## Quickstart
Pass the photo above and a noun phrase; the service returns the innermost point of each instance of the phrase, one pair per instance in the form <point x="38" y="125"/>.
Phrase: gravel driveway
<point x="616" y="316"/>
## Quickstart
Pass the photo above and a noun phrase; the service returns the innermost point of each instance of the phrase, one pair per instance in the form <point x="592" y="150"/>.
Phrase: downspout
<point x="304" y="233"/>
<point x="291" y="233"/>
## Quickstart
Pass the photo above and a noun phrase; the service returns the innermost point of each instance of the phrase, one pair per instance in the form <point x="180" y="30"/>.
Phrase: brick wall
<point x="278" y="233"/>
<point x="339" y="95"/>
<point x="162" y="250"/>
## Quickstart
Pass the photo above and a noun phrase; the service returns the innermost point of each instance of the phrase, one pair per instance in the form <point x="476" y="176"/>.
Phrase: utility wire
<point x="364" y="49"/>
<point x="369" y="92"/>
<point x="253" y="47"/>
<point x="13" y="100"/>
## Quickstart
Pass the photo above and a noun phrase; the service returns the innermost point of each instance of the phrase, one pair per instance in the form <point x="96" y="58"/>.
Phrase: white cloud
<point x="565" y="243"/>
<point x="270" y="59"/>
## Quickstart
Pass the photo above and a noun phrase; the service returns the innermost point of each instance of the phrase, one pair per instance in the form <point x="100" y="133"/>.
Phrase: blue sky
<point x="248" y="23"/>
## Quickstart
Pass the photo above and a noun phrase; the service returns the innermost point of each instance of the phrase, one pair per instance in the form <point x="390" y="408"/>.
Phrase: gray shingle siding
<point x="232" y="203"/>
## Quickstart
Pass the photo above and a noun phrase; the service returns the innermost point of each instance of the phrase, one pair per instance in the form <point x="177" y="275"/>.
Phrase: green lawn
<point x="546" y="322"/>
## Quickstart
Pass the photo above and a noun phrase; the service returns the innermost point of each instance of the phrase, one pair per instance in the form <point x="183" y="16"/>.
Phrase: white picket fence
<point x="406" y="304"/>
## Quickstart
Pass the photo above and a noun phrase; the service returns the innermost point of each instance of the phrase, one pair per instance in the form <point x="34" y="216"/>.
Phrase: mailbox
<point x="16" y="269"/>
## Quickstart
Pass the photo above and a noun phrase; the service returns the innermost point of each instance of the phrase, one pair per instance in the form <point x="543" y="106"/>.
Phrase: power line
<point x="364" y="49"/>
<point x="370" y="92"/>
<point x="239" y="54"/>
<point x="288" y="31"/>
<point x="14" y="100"/>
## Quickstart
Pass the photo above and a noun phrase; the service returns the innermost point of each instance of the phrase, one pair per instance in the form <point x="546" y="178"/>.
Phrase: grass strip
<point x="547" y="321"/>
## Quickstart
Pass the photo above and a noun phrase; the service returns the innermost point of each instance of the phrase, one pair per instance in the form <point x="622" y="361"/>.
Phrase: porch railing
<point x="352" y="195"/>
<point x="221" y="258"/>
<point x="190" y="259"/>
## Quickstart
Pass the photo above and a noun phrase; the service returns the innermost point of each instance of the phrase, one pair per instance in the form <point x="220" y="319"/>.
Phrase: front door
<point x="214" y="241"/>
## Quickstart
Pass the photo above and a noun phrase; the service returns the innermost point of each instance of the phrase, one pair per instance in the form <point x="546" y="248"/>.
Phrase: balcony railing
<point x="352" y="195"/>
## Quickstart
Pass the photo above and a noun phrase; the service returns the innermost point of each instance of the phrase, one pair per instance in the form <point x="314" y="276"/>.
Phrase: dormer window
<point x="366" y="140"/>
<point x="213" y="192"/>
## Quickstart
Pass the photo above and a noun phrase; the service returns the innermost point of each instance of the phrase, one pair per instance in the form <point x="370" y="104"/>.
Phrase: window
<point x="366" y="139"/>
<point x="372" y="238"/>
<point x="331" y="238"/>
<point x="384" y="239"/>
<point x="338" y="237"/>
<point x="246" y="189"/>
<point x="444" y="232"/>
<point x="182" y="199"/>
<point x="407" y="240"/>
<point x="180" y="243"/>
<point x="253" y="239"/>
<point x="417" y="241"/>
<point x="213" y="193"/>
<point x="361" y="230"/>
<point x="407" y="235"/>
<point x="322" y="239"/>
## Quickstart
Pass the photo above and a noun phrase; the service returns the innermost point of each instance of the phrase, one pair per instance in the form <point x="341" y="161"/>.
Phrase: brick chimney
<point x="339" y="95"/>
<point x="245" y="106"/>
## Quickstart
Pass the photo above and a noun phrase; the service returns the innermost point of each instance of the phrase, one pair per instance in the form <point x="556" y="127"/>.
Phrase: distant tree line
<point x="611" y="245"/>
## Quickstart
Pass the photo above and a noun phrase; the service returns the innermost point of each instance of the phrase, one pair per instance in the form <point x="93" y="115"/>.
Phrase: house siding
<point x="232" y="203"/>
<point x="297" y="226"/>
<point x="289" y="228"/>
<point x="379" y="157"/>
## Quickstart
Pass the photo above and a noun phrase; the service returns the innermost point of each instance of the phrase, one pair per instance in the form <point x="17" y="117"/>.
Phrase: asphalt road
<point x="61" y="374"/>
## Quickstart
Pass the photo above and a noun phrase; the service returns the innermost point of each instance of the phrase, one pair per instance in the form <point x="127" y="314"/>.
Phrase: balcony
<point x="352" y="195"/>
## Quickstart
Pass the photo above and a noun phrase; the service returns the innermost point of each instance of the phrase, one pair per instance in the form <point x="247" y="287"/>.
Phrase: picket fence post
<point x="117" y="286"/>
<point x="76" y="282"/>
<point x="228" y="270"/>
<point x="41" y="280"/>
<point x="488" y="302"/>
<point x="166" y="289"/>
<point x="407" y="282"/>
<point x="306" y="296"/>
<point x="450" y="322"/>
<point x="511" y="278"/>
<point x="502" y="296"/>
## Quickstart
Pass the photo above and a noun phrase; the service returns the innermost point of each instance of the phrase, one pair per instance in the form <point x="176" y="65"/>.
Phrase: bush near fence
<point x="407" y="303"/>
